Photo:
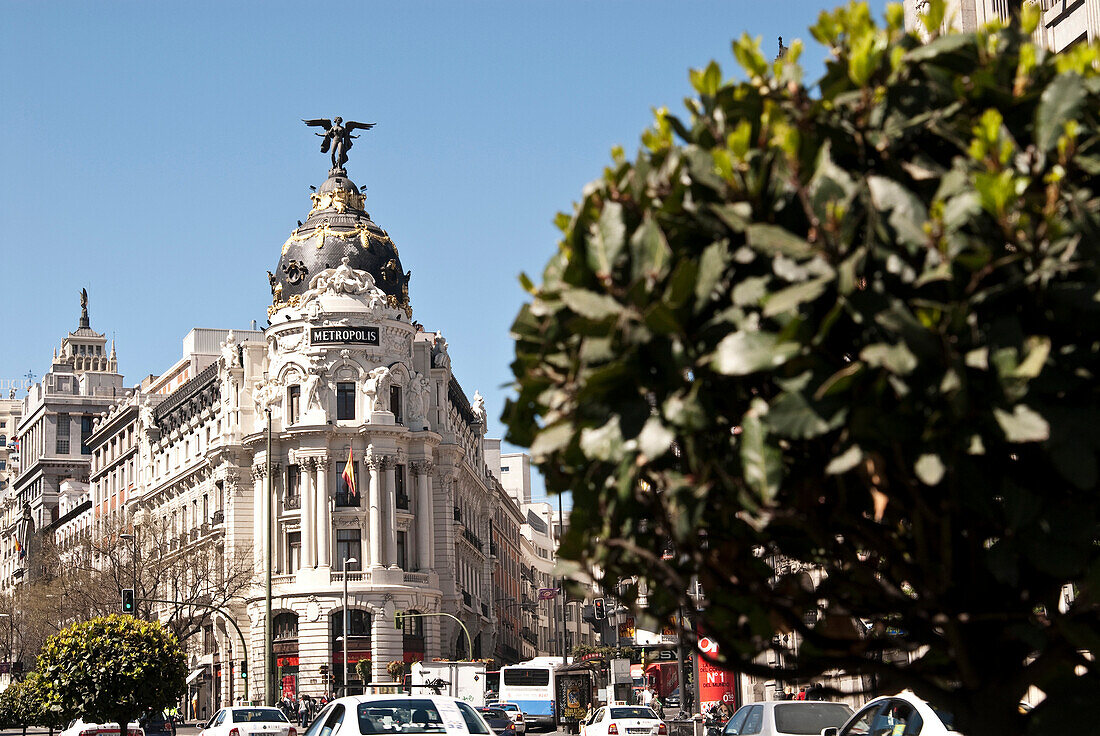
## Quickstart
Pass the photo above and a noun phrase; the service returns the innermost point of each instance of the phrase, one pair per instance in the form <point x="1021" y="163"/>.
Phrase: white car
<point x="514" y="712"/>
<point x="903" y="714"/>
<point x="787" y="718"/>
<point x="364" y="715"/>
<point x="83" y="728"/>
<point x="624" y="720"/>
<point x="245" y="720"/>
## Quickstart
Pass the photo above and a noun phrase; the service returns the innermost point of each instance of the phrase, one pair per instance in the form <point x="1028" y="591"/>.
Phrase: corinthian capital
<point x="422" y="466"/>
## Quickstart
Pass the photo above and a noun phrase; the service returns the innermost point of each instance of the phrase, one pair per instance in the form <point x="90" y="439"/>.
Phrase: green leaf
<point x="1060" y="102"/>
<point x="792" y="297"/>
<point x="742" y="353"/>
<point x="792" y="417"/>
<point x="772" y="239"/>
<point x="655" y="439"/>
<point x="551" y="439"/>
<point x="907" y="213"/>
<point x="1024" y="424"/>
<point x="590" y="304"/>
<point x="845" y="461"/>
<point x="930" y="469"/>
<point x="606" y="240"/>
<point x="650" y="255"/>
<point x="897" y="359"/>
<point x="761" y="462"/>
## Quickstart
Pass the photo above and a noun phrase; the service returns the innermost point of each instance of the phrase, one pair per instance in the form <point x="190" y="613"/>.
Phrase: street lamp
<point x="347" y="561"/>
<point x="133" y="565"/>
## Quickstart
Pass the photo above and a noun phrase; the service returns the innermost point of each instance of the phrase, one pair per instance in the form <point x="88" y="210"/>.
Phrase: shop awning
<point x="195" y="675"/>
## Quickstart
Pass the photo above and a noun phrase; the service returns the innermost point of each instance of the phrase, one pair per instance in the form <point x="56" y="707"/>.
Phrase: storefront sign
<point x="343" y="335"/>
<point x="716" y="685"/>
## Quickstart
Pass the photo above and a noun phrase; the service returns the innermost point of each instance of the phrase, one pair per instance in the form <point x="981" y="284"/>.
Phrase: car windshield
<point x="407" y="715"/>
<point x="809" y="717"/>
<point x="258" y="715"/>
<point x="493" y="713"/>
<point x="633" y="713"/>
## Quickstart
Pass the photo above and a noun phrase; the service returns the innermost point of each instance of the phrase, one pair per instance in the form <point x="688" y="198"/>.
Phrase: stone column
<point x="390" y="519"/>
<point x="386" y="642"/>
<point x="376" y="464"/>
<point x="308" y="511"/>
<point x="322" y="519"/>
<point x="271" y="518"/>
<point x="424" y="539"/>
<point x="259" y="488"/>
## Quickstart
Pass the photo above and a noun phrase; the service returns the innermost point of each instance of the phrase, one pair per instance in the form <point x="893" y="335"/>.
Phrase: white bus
<point x="530" y="685"/>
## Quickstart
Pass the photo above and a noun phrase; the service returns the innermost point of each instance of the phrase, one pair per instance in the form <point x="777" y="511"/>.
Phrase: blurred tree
<point x="834" y="351"/>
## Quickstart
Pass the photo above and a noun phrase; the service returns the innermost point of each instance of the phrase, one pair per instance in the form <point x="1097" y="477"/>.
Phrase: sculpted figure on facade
<point x="372" y="386"/>
<point x="417" y="401"/>
<point x="231" y="351"/>
<point x="478" y="407"/>
<point x="344" y="280"/>
<point x="311" y="393"/>
<point x="267" y="395"/>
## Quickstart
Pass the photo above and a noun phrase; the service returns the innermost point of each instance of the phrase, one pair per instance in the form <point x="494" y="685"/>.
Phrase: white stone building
<point x="1063" y="24"/>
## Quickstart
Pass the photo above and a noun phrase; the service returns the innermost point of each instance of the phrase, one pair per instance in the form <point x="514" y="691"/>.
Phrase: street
<point x="189" y="730"/>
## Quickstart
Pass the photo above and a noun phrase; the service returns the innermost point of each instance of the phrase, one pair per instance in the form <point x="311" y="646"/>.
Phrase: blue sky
<point x="153" y="152"/>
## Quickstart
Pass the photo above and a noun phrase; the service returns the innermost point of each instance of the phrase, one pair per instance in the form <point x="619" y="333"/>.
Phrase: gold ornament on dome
<point x="338" y="199"/>
<point x="362" y="233"/>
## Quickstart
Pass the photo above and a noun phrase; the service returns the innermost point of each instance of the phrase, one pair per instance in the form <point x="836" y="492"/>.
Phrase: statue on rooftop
<point x="338" y="136"/>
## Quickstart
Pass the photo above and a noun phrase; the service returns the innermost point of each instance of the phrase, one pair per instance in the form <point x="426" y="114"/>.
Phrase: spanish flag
<point x="349" y="475"/>
<point x="18" y="547"/>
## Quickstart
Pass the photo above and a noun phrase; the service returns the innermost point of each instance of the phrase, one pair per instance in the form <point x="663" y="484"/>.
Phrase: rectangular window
<point x="402" y="494"/>
<point x="294" y="551"/>
<point x="347" y="548"/>
<point x="293" y="397"/>
<point x="402" y="550"/>
<point x="395" y="403"/>
<point x="293" y="475"/>
<point x="62" y="447"/>
<point x="345" y="400"/>
<point x="85" y="433"/>
<point x="344" y="497"/>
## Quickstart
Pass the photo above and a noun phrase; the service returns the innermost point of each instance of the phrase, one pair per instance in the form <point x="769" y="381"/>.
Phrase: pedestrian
<point x="658" y="707"/>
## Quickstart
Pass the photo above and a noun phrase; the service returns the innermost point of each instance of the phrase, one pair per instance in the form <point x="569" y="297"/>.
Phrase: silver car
<point x="786" y="718"/>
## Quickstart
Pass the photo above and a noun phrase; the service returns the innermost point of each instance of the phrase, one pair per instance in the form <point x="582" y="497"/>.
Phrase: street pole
<point x="269" y="638"/>
<point x="346" y="633"/>
<point x="561" y="580"/>
<point x="11" y="638"/>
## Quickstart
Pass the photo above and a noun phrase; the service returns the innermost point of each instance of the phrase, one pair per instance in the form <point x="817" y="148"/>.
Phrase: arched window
<point x="285" y="626"/>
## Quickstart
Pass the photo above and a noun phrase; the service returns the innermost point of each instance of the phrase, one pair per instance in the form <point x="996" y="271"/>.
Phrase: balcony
<point x="348" y="500"/>
<point x="402" y="502"/>
<point x="472" y="538"/>
<point x="416" y="578"/>
<point x="292" y="502"/>
<point x="529" y="636"/>
<point x="354" y="576"/>
<point x="219" y="518"/>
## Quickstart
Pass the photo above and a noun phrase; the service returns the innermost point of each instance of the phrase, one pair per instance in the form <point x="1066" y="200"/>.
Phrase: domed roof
<point x="338" y="227"/>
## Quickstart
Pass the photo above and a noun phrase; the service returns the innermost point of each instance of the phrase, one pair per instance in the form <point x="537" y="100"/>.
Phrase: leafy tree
<point x="23" y="704"/>
<point x="112" y="669"/>
<point x="834" y="350"/>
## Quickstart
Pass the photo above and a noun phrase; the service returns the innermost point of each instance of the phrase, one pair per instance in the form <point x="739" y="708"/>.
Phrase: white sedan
<point x="249" y="721"/>
<point x="903" y="714"/>
<point x="399" y="714"/>
<point x="624" y="720"/>
<point x="80" y="727"/>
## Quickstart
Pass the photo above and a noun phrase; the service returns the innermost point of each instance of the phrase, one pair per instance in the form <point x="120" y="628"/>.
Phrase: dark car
<point x="157" y="724"/>
<point x="498" y="720"/>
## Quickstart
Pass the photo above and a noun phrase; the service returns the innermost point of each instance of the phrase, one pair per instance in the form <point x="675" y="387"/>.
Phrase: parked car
<point x="787" y="718"/>
<point x="624" y="720"/>
<point x="498" y="720"/>
<point x="903" y="714"/>
<point x="81" y="727"/>
<point x="249" y="721"/>
<point x="516" y="713"/>
<point x="363" y="715"/>
<point x="158" y="724"/>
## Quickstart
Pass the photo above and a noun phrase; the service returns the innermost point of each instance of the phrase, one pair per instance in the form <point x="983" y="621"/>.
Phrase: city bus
<point x="530" y="685"/>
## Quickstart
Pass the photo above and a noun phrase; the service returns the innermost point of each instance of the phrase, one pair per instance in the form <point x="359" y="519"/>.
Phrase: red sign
<point x="290" y="686"/>
<point x="716" y="685"/>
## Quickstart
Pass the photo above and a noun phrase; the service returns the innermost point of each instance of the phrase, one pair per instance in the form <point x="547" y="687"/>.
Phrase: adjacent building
<point x="1063" y="23"/>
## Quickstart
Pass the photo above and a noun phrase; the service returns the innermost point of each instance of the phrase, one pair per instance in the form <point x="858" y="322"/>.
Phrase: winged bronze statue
<point x="338" y="136"/>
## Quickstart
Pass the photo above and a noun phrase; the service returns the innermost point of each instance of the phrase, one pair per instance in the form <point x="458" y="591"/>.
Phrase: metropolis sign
<point x="343" y="335"/>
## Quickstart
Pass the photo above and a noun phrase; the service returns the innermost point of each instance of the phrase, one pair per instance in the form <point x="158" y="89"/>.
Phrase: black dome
<point x="338" y="227"/>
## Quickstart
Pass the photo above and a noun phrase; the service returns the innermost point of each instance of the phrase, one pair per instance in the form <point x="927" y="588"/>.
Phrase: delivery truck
<point x="462" y="680"/>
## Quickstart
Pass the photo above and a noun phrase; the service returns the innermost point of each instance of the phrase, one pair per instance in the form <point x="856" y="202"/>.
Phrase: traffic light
<point x="399" y="620"/>
<point x="244" y="669"/>
<point x="324" y="669"/>
<point x="127" y="600"/>
<point x="597" y="608"/>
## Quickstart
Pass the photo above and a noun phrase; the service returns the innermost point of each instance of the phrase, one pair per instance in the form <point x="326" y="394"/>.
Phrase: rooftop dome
<point x="338" y="227"/>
